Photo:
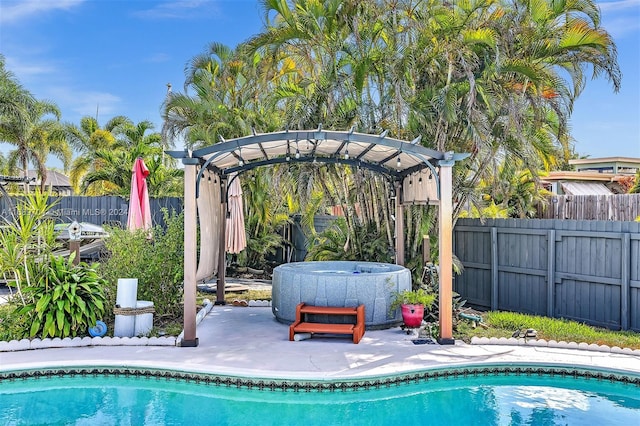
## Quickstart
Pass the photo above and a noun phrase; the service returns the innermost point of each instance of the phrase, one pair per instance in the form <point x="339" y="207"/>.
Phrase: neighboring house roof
<point x="56" y="179"/>
<point x="556" y="181"/>
<point x="596" y="176"/>
<point x="609" y="165"/>
<point x="580" y="176"/>
<point x="585" y="188"/>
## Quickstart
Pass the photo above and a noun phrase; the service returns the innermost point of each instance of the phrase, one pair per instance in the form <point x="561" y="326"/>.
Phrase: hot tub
<point x="340" y="283"/>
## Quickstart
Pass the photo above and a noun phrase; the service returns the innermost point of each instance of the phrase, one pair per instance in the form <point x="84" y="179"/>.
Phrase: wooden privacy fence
<point x="623" y="207"/>
<point x="111" y="210"/>
<point x="588" y="271"/>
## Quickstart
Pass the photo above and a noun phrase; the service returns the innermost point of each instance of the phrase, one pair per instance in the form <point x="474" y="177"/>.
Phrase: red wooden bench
<point x="303" y="325"/>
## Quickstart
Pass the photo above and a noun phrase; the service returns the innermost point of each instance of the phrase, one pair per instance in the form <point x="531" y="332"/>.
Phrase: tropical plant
<point x="67" y="299"/>
<point x="35" y="135"/>
<point x="496" y="79"/>
<point x="265" y="216"/>
<point x="412" y="297"/>
<point x="86" y="139"/>
<point x="157" y="263"/>
<point x="57" y="298"/>
<point x="31" y="125"/>
<point x="509" y="191"/>
<point x="13" y="326"/>
<point x="16" y="103"/>
<point x="336" y="243"/>
<point x="27" y="239"/>
<point x="221" y="89"/>
<point x="112" y="172"/>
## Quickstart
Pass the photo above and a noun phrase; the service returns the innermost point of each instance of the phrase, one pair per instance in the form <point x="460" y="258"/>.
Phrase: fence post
<point x="494" y="268"/>
<point x="551" y="272"/>
<point x="625" y="284"/>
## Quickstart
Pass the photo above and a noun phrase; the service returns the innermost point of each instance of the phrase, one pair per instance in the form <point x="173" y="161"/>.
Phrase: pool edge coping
<point x="340" y="384"/>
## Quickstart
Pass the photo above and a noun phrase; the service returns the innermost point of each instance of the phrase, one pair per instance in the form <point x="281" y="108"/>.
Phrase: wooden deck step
<point x="327" y="310"/>
<point x="305" y="324"/>
<point x="317" y="327"/>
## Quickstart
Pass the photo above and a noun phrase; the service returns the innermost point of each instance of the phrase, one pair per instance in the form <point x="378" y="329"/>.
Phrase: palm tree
<point x="490" y="79"/>
<point x="15" y="101"/>
<point x="35" y="137"/>
<point x="304" y="47"/>
<point x="221" y="91"/>
<point x="86" y="139"/>
<point x="495" y="78"/>
<point x="113" y="176"/>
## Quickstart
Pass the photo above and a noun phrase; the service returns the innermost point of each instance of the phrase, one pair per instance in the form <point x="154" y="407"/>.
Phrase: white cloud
<point x="617" y="6"/>
<point x="621" y="26"/>
<point x="19" y="10"/>
<point x="85" y="102"/>
<point x="180" y="9"/>
<point x="158" y="57"/>
<point x="24" y="70"/>
<point x="620" y="18"/>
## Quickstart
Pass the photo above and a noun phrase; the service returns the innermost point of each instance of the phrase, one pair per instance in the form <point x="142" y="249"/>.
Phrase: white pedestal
<point x="143" y="322"/>
<point x="127" y="293"/>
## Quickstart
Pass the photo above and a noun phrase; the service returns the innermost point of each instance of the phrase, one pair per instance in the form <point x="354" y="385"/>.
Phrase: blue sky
<point x="115" y="57"/>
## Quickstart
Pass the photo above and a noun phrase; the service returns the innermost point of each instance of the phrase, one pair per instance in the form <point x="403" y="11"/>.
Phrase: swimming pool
<point x="487" y="395"/>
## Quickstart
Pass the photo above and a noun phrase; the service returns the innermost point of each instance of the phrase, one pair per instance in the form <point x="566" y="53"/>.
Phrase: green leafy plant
<point x="412" y="297"/>
<point x="430" y="283"/>
<point x="265" y="215"/>
<point x="27" y="239"/>
<point x="156" y="262"/>
<point x="13" y="326"/>
<point x="67" y="299"/>
<point x="338" y="243"/>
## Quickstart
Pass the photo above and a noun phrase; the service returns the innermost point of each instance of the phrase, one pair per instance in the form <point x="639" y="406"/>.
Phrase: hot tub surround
<point x="341" y="284"/>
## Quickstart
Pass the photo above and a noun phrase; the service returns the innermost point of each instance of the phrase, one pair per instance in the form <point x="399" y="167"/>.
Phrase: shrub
<point x="13" y="326"/>
<point x="156" y="262"/>
<point x="53" y="297"/>
<point x="67" y="299"/>
<point x="27" y="239"/>
<point x="358" y="242"/>
<point x="413" y="297"/>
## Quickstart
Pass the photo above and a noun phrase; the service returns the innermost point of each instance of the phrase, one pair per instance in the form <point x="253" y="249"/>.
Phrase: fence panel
<point x="103" y="210"/>
<point x="474" y="246"/>
<point x="634" y="283"/>
<point x="522" y="259"/>
<point x="588" y="271"/>
<point x="620" y="207"/>
<point x="588" y="277"/>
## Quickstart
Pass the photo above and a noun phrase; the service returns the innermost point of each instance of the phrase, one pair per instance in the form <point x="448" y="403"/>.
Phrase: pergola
<point x="402" y="162"/>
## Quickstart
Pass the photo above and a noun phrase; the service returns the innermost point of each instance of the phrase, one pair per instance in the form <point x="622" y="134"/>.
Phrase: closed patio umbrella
<point x="139" y="209"/>
<point x="236" y="239"/>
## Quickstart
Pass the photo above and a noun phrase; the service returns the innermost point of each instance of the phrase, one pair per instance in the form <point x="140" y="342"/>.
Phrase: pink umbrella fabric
<point x="139" y="209"/>
<point x="236" y="238"/>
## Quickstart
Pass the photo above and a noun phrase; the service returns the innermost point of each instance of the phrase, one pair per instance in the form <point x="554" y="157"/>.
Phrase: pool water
<point x="483" y="400"/>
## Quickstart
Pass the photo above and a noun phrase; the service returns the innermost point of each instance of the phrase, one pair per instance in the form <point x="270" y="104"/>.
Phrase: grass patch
<point x="248" y="295"/>
<point x="503" y="324"/>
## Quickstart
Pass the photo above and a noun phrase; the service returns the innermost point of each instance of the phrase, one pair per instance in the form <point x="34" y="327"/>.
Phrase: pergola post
<point x="399" y="225"/>
<point x="222" y="259"/>
<point x="445" y="220"/>
<point x="190" y="252"/>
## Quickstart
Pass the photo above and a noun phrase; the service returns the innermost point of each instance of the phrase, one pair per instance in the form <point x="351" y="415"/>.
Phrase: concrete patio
<point x="249" y="342"/>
